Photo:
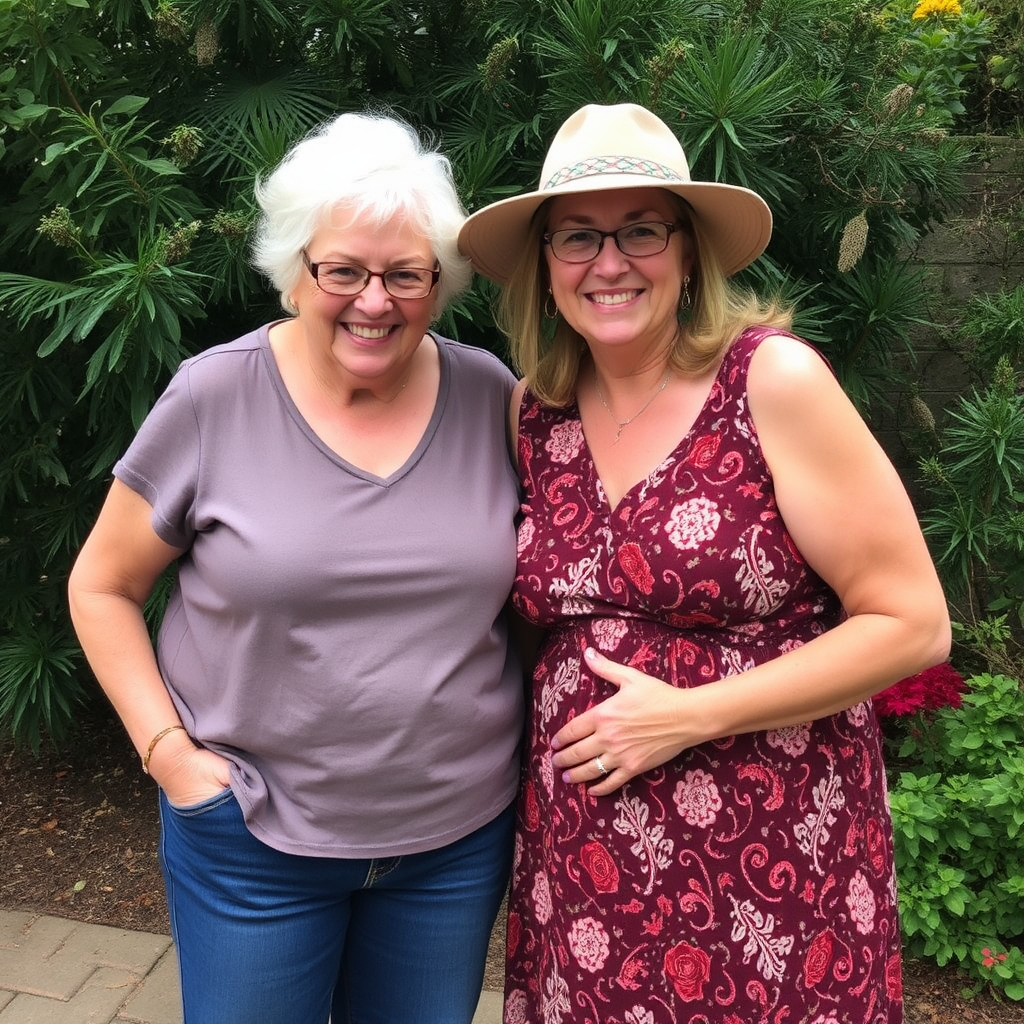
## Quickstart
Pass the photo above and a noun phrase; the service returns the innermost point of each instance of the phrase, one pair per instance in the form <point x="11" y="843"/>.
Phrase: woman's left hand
<point x="638" y="728"/>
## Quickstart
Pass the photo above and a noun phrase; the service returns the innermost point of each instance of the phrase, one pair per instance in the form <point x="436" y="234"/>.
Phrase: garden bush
<point x="131" y="132"/>
<point x="957" y="798"/>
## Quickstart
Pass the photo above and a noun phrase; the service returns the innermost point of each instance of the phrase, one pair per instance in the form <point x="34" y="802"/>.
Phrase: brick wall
<point x="972" y="252"/>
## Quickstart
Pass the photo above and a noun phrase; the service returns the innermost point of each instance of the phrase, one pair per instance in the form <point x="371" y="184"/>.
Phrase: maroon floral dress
<point x="751" y="879"/>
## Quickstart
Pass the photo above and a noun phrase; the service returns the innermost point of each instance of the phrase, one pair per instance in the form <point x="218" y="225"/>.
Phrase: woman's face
<point x="615" y="299"/>
<point x="371" y="335"/>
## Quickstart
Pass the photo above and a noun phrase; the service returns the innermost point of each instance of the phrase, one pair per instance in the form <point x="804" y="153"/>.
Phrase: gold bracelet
<point x="154" y="741"/>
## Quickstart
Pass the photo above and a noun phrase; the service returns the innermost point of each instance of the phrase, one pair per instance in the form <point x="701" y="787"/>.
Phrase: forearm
<point x="116" y="642"/>
<point x="840" y="668"/>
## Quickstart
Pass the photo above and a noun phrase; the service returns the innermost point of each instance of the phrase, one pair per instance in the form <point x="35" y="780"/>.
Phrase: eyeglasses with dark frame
<point x="580" y="245"/>
<point x="351" y="279"/>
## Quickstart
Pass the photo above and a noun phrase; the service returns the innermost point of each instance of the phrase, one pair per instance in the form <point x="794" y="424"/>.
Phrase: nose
<point x="610" y="260"/>
<point x="374" y="299"/>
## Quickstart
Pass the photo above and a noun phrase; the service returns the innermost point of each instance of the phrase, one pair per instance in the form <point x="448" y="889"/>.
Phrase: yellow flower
<point x="939" y="7"/>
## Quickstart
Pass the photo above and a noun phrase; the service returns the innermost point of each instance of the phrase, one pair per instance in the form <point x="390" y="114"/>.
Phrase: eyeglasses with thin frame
<point x="580" y="245"/>
<point x="351" y="279"/>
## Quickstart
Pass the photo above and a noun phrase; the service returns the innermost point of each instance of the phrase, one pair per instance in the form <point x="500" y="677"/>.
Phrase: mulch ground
<point x="78" y="839"/>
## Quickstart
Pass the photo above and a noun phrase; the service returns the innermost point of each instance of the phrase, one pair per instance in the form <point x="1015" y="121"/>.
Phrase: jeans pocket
<point x="211" y="803"/>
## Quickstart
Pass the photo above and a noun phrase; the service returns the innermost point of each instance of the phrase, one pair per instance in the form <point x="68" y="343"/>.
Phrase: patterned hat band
<point x="613" y="165"/>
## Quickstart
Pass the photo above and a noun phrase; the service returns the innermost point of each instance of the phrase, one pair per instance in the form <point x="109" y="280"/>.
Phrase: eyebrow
<point x="405" y="260"/>
<point x="634" y="216"/>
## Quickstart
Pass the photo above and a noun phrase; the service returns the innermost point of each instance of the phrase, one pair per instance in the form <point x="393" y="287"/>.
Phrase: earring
<point x="549" y="305"/>
<point x="684" y="299"/>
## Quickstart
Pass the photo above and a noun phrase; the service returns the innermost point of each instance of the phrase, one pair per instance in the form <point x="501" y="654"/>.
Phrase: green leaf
<point x="158" y="165"/>
<point x="127" y="105"/>
<point x="30" y="111"/>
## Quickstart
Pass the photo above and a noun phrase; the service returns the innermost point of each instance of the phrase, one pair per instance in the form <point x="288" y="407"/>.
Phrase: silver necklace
<point x="620" y="424"/>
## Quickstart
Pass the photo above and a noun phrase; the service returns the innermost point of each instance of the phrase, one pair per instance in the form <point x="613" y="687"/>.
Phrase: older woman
<point x="332" y="713"/>
<point x="726" y="568"/>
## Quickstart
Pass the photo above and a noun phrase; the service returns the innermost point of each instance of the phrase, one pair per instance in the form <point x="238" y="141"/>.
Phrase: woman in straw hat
<point x="725" y="568"/>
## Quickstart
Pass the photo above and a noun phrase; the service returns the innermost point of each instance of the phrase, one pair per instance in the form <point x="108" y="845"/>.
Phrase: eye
<point x="577" y="236"/>
<point x="407" y="275"/>
<point x="342" y="272"/>
<point x="645" y="230"/>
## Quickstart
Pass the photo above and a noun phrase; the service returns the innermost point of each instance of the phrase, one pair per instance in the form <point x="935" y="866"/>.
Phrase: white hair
<point x="374" y="167"/>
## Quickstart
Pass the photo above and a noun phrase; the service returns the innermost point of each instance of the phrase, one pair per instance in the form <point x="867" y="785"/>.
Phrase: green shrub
<point x="957" y="798"/>
<point x="131" y="133"/>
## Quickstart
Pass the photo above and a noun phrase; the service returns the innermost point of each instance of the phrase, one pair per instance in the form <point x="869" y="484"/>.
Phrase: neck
<point x="625" y="409"/>
<point x="345" y="391"/>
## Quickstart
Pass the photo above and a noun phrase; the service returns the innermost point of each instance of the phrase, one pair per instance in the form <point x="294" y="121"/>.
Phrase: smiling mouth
<point x="369" y="333"/>
<point x="614" y="298"/>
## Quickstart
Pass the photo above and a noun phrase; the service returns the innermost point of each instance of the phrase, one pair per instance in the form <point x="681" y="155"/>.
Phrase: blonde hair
<point x="550" y="360"/>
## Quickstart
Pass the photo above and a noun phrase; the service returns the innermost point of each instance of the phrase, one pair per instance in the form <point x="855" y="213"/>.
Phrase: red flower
<point x="819" y="956"/>
<point x="632" y="560"/>
<point x="990" y="959"/>
<point x="688" y="968"/>
<point x="936" y="687"/>
<point x="599" y="865"/>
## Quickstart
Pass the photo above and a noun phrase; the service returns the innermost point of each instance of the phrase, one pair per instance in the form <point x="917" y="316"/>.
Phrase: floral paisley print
<point x="751" y="879"/>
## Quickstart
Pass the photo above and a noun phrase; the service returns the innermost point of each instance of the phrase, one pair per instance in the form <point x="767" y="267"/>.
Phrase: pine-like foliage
<point x="131" y="132"/>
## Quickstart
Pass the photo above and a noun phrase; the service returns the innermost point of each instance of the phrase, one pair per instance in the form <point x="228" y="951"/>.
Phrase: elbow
<point x="941" y="644"/>
<point x="935" y="635"/>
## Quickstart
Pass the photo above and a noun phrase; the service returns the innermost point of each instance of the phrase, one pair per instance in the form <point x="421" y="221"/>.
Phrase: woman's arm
<point x="850" y="517"/>
<point x="112" y="577"/>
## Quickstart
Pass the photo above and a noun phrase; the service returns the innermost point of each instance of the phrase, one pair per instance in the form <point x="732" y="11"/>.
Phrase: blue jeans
<point x="265" y="937"/>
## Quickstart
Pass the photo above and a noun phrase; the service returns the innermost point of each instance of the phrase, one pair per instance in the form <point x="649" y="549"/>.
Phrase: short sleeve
<point x="162" y="463"/>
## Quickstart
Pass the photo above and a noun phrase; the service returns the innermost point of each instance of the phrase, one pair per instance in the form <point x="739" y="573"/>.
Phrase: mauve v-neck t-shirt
<point x="338" y="636"/>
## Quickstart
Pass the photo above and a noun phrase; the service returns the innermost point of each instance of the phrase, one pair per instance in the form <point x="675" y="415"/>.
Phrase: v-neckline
<point x="599" y="486"/>
<point x="352" y="468"/>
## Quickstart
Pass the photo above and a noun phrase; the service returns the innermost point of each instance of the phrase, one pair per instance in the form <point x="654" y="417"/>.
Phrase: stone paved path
<point x="54" y="971"/>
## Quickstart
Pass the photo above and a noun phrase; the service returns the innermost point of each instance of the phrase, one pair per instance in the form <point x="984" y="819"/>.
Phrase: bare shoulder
<point x="789" y="380"/>
<point x="784" y="365"/>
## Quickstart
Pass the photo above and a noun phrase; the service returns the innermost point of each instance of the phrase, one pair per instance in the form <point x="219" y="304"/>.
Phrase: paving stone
<point x="35" y="966"/>
<point x="112" y="947"/>
<point x="51" y="957"/>
<point x="158" y="999"/>
<point x="19" y="930"/>
<point x="54" y="971"/>
<point x="95" y="1003"/>
<point x="488" y="1010"/>
<point x="13" y="926"/>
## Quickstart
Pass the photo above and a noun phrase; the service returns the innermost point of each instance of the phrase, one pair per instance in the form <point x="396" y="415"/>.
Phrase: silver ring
<point x="600" y="766"/>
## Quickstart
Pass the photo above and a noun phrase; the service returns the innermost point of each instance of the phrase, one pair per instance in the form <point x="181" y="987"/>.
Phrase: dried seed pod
<point x="898" y="99"/>
<point x="207" y="44"/>
<point x="853" y="242"/>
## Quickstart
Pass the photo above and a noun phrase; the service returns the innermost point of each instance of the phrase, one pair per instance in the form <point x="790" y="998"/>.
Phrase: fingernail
<point x="590" y="654"/>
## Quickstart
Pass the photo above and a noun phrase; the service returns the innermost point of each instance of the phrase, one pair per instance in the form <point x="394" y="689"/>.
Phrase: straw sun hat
<point x="622" y="146"/>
